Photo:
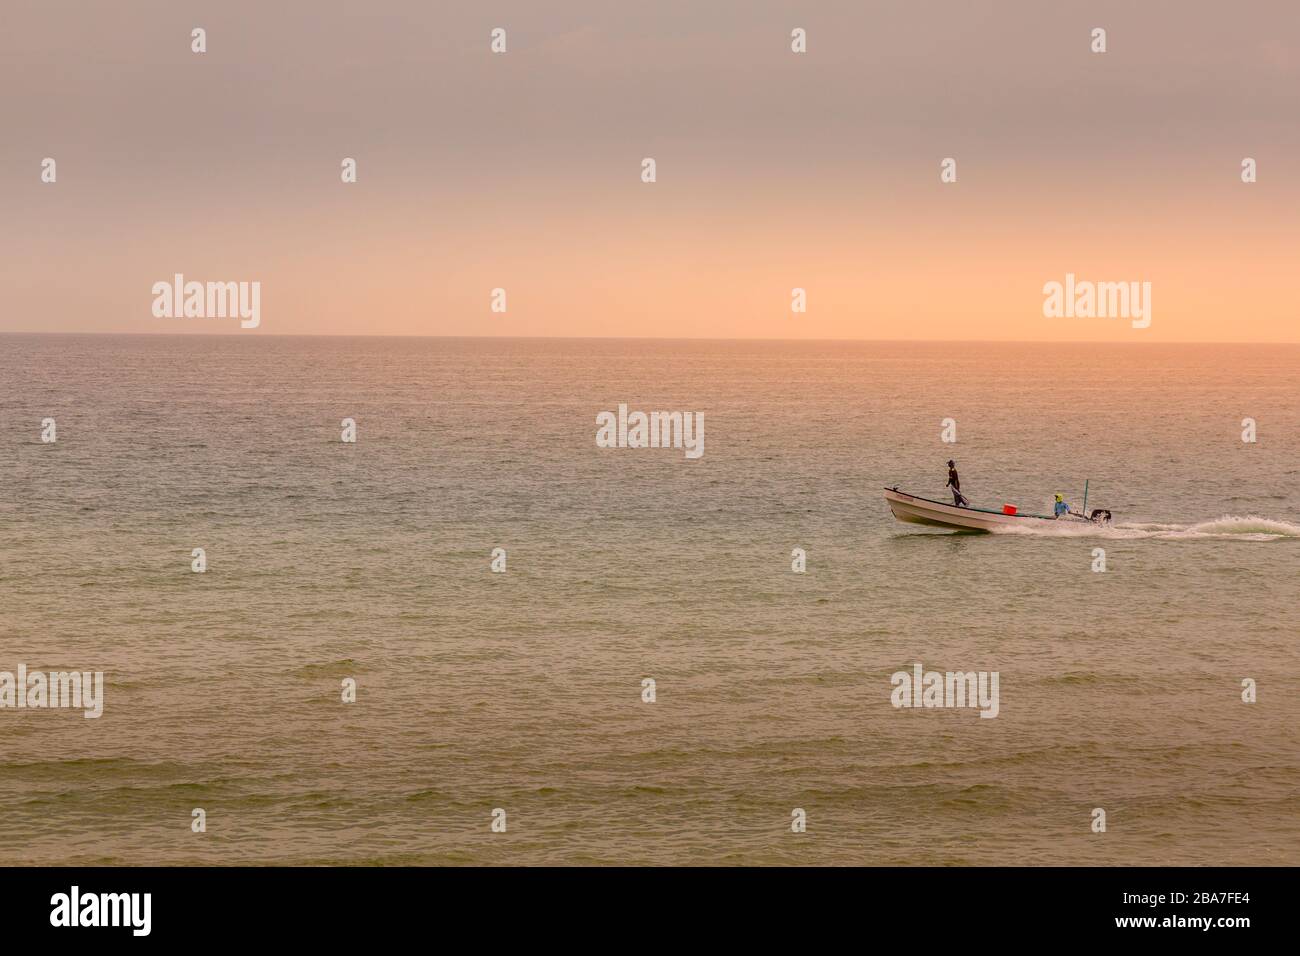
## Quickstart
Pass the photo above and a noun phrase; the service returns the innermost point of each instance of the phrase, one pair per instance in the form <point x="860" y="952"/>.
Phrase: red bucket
<point x="1008" y="509"/>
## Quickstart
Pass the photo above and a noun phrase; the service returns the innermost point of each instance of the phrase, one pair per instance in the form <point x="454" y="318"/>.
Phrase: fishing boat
<point x="913" y="509"/>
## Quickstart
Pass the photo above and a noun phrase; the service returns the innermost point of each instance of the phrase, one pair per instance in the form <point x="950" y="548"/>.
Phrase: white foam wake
<point x="1231" y="527"/>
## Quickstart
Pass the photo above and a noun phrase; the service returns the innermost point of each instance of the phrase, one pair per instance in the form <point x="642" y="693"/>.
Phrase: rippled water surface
<point x="522" y="690"/>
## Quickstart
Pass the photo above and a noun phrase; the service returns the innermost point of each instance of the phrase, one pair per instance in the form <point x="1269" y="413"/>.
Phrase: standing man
<point x="958" y="499"/>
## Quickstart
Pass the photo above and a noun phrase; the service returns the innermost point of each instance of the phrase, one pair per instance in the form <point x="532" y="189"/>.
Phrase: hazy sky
<point x="775" y="170"/>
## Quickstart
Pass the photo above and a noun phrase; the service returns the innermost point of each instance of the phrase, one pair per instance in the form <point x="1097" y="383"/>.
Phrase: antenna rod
<point x="1085" y="497"/>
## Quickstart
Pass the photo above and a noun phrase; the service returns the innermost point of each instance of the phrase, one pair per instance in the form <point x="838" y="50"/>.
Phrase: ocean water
<point x="522" y="691"/>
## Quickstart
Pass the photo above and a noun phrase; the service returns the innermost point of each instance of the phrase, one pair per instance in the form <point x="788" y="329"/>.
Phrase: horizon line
<point x="639" y="338"/>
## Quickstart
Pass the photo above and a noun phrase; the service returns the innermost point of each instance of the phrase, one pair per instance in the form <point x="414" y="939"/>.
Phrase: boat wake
<point x="1228" y="527"/>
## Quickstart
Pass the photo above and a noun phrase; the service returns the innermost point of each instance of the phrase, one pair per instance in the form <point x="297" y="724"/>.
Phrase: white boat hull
<point x="914" y="510"/>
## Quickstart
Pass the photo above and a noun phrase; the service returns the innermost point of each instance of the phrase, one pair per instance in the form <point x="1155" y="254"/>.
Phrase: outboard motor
<point x="1100" y="515"/>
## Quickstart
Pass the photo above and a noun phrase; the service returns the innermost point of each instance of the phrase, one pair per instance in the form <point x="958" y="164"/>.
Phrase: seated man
<point x="1061" y="507"/>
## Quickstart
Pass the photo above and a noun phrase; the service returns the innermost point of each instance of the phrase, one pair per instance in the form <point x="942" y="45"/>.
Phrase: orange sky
<point x="775" y="170"/>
